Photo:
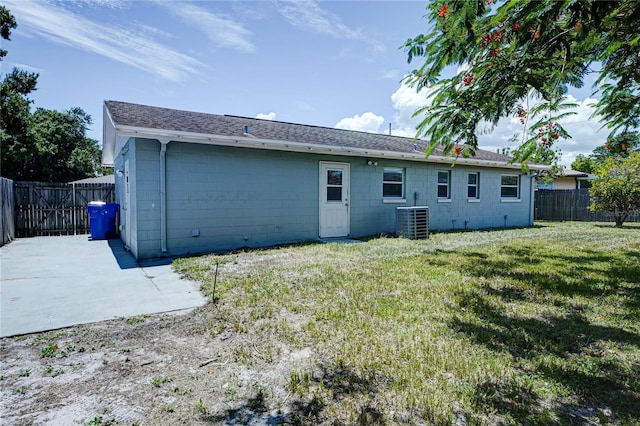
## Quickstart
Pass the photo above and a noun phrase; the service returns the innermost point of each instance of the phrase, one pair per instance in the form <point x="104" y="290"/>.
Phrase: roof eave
<point x="280" y="145"/>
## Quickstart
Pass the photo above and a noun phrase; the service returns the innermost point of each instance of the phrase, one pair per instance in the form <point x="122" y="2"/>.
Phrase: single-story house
<point x="568" y="179"/>
<point x="190" y="182"/>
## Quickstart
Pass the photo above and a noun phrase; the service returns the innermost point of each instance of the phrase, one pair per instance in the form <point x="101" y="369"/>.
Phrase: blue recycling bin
<point x="102" y="219"/>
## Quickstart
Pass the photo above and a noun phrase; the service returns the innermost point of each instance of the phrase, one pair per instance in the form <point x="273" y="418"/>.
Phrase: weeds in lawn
<point x="24" y="372"/>
<point x="520" y="326"/>
<point x="299" y="382"/>
<point x="49" y="351"/>
<point x="157" y="381"/>
<point x="100" y="421"/>
<point x="199" y="407"/>
<point x="136" y="319"/>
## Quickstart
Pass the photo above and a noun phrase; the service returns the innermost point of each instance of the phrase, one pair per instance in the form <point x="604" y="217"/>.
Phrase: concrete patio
<point x="48" y="283"/>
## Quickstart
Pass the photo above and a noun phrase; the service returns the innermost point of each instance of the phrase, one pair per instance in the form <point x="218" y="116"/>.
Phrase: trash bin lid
<point x="96" y="203"/>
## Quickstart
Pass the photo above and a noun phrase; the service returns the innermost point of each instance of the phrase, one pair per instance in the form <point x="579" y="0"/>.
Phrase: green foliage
<point x="517" y="59"/>
<point x="15" y="123"/>
<point x="7" y="23"/>
<point x="49" y="351"/>
<point x="46" y="145"/>
<point x="582" y="163"/>
<point x="64" y="153"/>
<point x="200" y="408"/>
<point x="136" y="319"/>
<point x="100" y="421"/>
<point x="618" y="147"/>
<point x="617" y="187"/>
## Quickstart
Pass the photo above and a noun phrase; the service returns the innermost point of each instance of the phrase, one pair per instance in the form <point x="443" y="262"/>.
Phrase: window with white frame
<point x="444" y="182"/>
<point x="393" y="183"/>
<point x="510" y="186"/>
<point x="473" y="186"/>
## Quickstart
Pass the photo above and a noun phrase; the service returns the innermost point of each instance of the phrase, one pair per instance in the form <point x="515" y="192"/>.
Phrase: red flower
<point x="515" y="26"/>
<point x="486" y="39"/>
<point x="498" y="37"/>
<point x="467" y="79"/>
<point x="494" y="52"/>
<point x="443" y="11"/>
<point x="458" y="150"/>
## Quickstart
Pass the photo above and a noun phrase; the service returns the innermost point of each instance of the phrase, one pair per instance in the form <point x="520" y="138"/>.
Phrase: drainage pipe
<point x="163" y="195"/>
<point x="532" y="191"/>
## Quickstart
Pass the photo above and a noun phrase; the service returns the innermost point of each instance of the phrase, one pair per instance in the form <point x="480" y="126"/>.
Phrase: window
<point x="583" y="184"/>
<point x="334" y="185"/>
<point x="473" y="186"/>
<point x="542" y="185"/>
<point x="393" y="183"/>
<point x="444" y="177"/>
<point x="509" y="186"/>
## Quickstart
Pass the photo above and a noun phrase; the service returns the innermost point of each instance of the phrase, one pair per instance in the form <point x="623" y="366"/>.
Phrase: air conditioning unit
<point x="412" y="222"/>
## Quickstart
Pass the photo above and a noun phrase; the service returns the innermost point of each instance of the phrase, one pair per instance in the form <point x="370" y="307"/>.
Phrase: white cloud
<point x="27" y="67"/>
<point x="585" y="131"/>
<point x="221" y="31"/>
<point x="269" y="116"/>
<point x="309" y="16"/>
<point x="406" y="100"/>
<point x="367" y="122"/>
<point x="114" y="42"/>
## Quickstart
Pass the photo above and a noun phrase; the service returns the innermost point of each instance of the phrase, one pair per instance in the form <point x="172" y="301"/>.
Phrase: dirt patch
<point x="179" y="368"/>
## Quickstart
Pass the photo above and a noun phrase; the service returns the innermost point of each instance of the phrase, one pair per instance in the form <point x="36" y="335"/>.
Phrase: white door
<point x="334" y="200"/>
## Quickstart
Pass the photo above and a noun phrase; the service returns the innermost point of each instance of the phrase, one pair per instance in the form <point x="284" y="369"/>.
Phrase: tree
<point x="47" y="145"/>
<point x="585" y="164"/>
<point x="617" y="187"/>
<point x="16" y="143"/>
<point x="517" y="59"/>
<point x="7" y="23"/>
<point x="618" y="147"/>
<point x="63" y="151"/>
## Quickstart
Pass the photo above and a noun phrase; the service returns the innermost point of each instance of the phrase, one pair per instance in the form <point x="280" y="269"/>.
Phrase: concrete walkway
<point x="48" y="283"/>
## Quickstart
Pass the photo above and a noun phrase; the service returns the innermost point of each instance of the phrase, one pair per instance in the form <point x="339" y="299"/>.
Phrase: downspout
<point x="532" y="190"/>
<point x="163" y="195"/>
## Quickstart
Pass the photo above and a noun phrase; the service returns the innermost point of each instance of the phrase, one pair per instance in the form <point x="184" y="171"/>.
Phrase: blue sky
<point x="325" y="63"/>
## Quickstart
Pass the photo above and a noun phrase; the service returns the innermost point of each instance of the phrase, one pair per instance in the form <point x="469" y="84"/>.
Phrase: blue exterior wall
<point x="221" y="198"/>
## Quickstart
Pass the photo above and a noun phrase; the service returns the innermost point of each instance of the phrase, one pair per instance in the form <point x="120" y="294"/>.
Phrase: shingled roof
<point x="132" y="119"/>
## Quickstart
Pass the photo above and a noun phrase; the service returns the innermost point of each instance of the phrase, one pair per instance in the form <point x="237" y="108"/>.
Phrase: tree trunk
<point x="620" y="220"/>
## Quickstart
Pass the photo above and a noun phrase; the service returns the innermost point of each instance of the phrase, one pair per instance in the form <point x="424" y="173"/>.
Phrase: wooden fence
<point x="570" y="204"/>
<point x="43" y="209"/>
<point x="7" y="212"/>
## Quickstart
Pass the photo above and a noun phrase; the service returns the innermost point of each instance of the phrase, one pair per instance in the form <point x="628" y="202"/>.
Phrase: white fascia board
<point x="278" y="145"/>
<point x="108" y="138"/>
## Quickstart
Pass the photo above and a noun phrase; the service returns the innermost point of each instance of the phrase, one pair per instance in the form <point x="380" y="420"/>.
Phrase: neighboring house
<point x="191" y="182"/>
<point x="569" y="179"/>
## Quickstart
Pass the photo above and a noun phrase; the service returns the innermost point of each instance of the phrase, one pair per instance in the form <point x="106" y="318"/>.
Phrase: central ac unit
<point x="412" y="222"/>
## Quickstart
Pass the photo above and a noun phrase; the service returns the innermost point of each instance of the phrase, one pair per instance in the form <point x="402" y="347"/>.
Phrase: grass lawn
<point x="523" y="326"/>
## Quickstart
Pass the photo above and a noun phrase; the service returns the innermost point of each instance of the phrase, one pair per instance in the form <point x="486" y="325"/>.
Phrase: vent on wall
<point x="412" y="222"/>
